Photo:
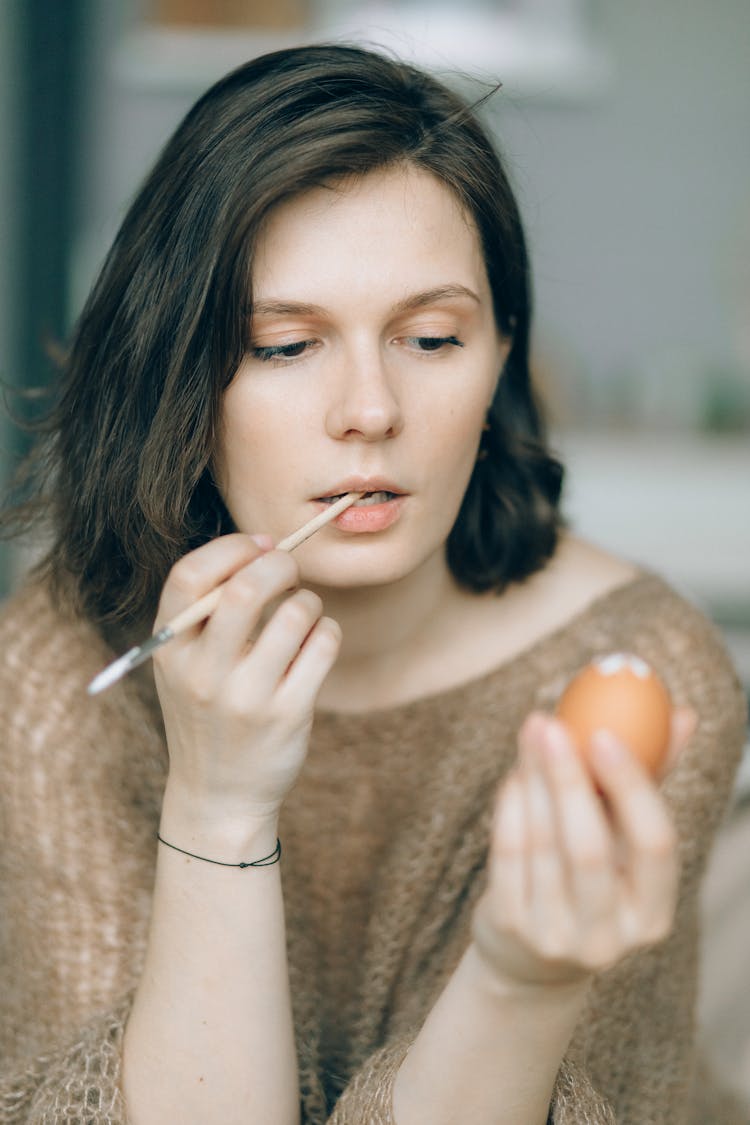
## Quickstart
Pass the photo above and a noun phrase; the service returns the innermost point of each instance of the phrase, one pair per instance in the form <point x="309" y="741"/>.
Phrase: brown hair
<point x="123" y="470"/>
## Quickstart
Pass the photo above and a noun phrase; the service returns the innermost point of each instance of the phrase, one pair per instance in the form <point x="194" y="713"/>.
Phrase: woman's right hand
<point x="238" y="691"/>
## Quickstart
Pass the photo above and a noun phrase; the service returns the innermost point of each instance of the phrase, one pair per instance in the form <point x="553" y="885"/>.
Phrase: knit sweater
<point x="384" y="837"/>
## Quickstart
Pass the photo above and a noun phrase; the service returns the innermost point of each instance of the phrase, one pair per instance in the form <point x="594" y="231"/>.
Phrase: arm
<point x="489" y="1050"/>
<point x="571" y="891"/>
<point x="211" y="1024"/>
<point x="210" y="1037"/>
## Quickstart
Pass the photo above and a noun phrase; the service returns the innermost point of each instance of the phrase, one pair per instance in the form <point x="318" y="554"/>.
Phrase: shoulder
<point x="649" y="617"/>
<point x="44" y="648"/>
<point x="49" y="722"/>
<point x="604" y="604"/>
<point x="623" y="606"/>
<point x="641" y="613"/>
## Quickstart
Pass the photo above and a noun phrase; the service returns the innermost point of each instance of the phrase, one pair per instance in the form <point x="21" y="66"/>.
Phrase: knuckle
<point x="601" y="959"/>
<point x="329" y="633"/>
<point x="186" y="576"/>
<point x="553" y="946"/>
<point x="239" y="704"/>
<point x="589" y="857"/>
<point x="283" y="565"/>
<point x="313" y="602"/>
<point x="506" y="852"/>
<point x="644" y="932"/>
<point x="243" y="589"/>
<point x="542" y="845"/>
<point x="659" y="844"/>
<point x="300" y="611"/>
<point x="658" y="930"/>
<point x="600" y="951"/>
<point x="505" y="849"/>
<point x="199" y="690"/>
<point x="278" y="713"/>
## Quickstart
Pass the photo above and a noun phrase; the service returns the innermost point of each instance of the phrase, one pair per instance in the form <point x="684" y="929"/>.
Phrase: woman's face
<point x="374" y="356"/>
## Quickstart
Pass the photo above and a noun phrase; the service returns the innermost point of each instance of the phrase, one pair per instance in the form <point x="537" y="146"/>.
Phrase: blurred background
<point x="625" y="127"/>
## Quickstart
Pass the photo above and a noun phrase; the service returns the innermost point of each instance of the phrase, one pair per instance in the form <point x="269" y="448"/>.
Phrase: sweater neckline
<point x="509" y="667"/>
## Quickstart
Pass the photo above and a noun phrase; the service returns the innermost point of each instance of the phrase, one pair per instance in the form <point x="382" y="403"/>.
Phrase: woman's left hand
<point x="583" y="863"/>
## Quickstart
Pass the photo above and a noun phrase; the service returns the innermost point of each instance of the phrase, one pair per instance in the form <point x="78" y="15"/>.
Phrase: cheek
<point x="250" y="436"/>
<point x="455" y="431"/>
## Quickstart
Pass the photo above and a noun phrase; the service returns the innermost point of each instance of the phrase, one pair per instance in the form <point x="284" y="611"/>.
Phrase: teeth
<point x="372" y="498"/>
<point x="368" y="498"/>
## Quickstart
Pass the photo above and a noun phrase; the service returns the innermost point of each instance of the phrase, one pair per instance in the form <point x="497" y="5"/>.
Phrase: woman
<point x="323" y="287"/>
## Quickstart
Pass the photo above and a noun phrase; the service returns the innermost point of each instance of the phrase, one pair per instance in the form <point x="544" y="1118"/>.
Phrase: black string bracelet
<point x="264" y="861"/>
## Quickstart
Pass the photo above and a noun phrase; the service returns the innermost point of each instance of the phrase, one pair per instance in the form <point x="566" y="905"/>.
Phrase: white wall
<point x="639" y="203"/>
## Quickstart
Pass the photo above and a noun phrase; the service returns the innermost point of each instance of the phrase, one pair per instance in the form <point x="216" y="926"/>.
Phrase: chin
<point x="370" y="569"/>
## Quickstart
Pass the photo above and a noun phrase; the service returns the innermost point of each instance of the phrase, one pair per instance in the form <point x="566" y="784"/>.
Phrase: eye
<point x="432" y="343"/>
<point x="281" y="351"/>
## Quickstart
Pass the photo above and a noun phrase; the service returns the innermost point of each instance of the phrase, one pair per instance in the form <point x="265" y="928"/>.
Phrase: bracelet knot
<point x="264" y="861"/>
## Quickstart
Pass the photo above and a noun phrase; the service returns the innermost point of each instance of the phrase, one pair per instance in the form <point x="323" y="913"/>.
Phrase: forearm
<point x="487" y="1053"/>
<point x="210" y="1038"/>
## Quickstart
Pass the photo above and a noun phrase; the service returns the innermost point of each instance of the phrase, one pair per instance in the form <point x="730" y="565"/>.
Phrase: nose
<point x="364" y="402"/>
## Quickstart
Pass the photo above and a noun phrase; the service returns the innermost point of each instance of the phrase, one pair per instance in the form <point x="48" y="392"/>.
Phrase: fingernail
<point x="533" y="726"/>
<point x="265" y="542"/>
<point x="607" y="748"/>
<point x="558" y="744"/>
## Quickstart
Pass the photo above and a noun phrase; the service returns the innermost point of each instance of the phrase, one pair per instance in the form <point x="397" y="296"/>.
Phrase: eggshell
<point x="620" y="693"/>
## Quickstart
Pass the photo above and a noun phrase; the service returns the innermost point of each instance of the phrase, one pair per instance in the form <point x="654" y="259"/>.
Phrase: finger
<point x="683" y="727"/>
<point x="317" y="655"/>
<point x="583" y="831"/>
<point x="546" y="873"/>
<point x="205" y="568"/>
<point x="530" y="736"/>
<point x="507" y="868"/>
<point x="280" y="642"/>
<point x="642" y="817"/>
<point x="227" y="634"/>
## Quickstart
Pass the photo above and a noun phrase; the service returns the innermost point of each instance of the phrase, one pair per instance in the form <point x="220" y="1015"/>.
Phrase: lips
<point x="370" y="486"/>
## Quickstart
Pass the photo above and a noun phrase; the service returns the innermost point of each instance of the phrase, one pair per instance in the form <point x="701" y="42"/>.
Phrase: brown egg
<point x="620" y="693"/>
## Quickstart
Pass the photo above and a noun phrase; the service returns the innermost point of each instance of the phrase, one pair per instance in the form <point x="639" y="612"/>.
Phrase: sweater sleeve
<point x="368" y="1098"/>
<point x="80" y="1082"/>
<point x="78" y="807"/>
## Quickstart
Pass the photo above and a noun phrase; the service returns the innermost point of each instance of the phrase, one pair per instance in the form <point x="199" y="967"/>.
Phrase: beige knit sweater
<point x="384" y="842"/>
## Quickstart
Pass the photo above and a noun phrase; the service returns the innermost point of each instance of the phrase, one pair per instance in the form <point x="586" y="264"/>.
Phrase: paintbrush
<point x="205" y="606"/>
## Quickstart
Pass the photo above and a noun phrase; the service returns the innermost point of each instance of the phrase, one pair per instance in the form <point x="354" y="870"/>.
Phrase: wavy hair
<point x="121" y="473"/>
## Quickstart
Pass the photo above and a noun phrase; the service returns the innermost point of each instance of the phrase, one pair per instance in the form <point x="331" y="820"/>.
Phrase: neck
<point x="385" y="630"/>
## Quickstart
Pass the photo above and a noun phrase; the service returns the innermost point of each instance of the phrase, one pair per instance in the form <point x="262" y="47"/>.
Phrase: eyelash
<point x="282" y="352"/>
<point x="439" y="341"/>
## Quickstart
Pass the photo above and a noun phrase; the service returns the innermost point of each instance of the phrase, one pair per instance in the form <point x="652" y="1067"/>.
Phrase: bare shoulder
<point x="490" y="629"/>
<point x="581" y="572"/>
<point x="578" y="574"/>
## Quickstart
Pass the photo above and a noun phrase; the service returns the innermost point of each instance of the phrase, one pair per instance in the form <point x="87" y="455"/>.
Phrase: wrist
<point x="230" y="834"/>
<point x="557" y="989"/>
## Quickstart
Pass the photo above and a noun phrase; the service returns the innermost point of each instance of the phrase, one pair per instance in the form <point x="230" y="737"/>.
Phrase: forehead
<point x="400" y="226"/>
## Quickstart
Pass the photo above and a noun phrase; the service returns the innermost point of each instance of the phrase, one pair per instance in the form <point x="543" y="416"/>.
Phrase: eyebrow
<point x="413" y="301"/>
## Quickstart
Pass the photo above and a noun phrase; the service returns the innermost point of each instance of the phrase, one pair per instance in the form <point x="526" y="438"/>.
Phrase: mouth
<point x="379" y="507"/>
<point x="367" y="499"/>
